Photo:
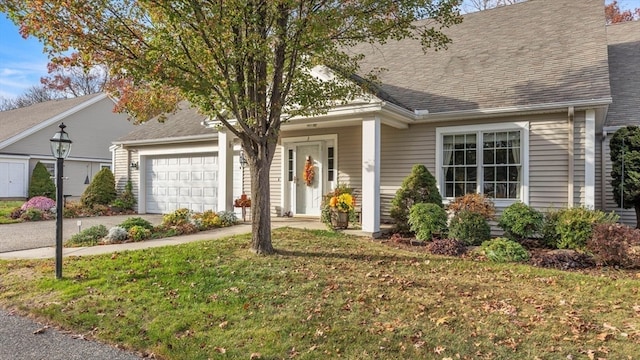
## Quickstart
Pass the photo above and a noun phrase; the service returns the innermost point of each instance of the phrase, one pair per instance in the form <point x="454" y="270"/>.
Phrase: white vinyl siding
<point x="548" y="162"/>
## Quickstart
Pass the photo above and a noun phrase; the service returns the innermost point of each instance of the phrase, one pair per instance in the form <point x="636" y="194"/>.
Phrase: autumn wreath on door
<point x="309" y="173"/>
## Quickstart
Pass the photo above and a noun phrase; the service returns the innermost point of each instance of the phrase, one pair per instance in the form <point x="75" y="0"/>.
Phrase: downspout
<point x="570" y="155"/>
<point x="603" y="172"/>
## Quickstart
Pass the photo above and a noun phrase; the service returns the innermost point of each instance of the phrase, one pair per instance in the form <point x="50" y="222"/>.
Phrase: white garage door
<point x="181" y="181"/>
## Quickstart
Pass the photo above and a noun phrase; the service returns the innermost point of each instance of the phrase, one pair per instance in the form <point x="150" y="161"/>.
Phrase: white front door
<point x="307" y="194"/>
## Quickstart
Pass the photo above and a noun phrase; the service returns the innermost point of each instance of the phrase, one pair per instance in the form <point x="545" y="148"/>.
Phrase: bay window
<point x="488" y="159"/>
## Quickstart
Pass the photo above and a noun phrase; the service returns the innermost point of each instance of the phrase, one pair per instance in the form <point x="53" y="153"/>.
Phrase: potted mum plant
<point x="338" y="207"/>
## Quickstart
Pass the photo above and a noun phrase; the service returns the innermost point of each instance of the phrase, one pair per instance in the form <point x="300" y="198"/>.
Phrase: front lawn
<point x="6" y="207"/>
<point x="327" y="295"/>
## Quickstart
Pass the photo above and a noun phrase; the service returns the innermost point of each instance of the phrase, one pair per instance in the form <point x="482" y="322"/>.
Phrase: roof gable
<point x="19" y="123"/>
<point x="536" y="52"/>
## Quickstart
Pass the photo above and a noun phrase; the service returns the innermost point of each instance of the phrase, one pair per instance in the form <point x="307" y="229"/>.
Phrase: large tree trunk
<point x="259" y="167"/>
<point x="637" y="208"/>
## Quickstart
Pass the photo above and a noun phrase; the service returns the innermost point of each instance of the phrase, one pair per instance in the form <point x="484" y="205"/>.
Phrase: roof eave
<point x="167" y="140"/>
<point x="513" y="110"/>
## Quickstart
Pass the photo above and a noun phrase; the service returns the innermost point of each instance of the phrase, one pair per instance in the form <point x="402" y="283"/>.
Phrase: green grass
<point x="327" y="296"/>
<point x="6" y="207"/>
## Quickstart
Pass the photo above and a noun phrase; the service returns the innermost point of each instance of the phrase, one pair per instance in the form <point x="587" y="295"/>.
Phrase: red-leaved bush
<point x="42" y="203"/>
<point x="615" y="245"/>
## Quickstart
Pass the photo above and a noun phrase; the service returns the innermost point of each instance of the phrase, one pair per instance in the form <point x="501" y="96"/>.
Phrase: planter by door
<point x="339" y="219"/>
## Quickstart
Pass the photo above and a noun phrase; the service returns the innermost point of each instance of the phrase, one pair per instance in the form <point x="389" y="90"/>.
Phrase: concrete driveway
<point x="38" y="234"/>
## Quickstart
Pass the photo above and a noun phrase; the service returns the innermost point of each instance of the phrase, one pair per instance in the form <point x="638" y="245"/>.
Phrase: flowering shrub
<point x="41" y="203"/>
<point x="207" y="220"/>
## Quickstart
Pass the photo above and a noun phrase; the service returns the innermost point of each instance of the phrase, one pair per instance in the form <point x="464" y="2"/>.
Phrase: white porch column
<point x="590" y="160"/>
<point x="225" y="170"/>
<point x="370" y="201"/>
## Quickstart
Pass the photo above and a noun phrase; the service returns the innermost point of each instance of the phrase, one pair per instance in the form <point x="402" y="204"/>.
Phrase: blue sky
<point x="22" y="62"/>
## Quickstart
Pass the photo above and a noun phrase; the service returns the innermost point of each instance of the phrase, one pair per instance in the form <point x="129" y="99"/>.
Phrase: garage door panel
<point x="184" y="181"/>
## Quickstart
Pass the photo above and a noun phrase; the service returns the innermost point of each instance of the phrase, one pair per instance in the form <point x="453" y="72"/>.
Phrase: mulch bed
<point x="560" y="259"/>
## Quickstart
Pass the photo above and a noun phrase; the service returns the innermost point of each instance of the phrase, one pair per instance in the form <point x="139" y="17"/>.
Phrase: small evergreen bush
<point x="418" y="187"/>
<point x="41" y="183"/>
<point x="477" y="203"/>
<point x="504" y="250"/>
<point x="574" y="226"/>
<point x="615" y="245"/>
<point x="117" y="234"/>
<point x="426" y="219"/>
<point x="89" y="236"/>
<point x="139" y="233"/>
<point x="135" y="221"/>
<point x="469" y="227"/>
<point x="101" y="191"/>
<point x="449" y="247"/>
<point x="520" y="221"/>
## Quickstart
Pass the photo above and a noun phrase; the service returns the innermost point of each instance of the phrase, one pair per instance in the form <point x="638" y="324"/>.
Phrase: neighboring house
<point x="624" y="71"/>
<point x="514" y="109"/>
<point x="24" y="140"/>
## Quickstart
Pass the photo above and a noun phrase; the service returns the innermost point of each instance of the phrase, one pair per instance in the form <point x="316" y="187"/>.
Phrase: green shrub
<point x="126" y="200"/>
<point x="520" y="221"/>
<point x="139" y="233"/>
<point x="101" y="191"/>
<point x="41" y="183"/>
<point x="550" y="235"/>
<point x="135" y="221"/>
<point x="418" y="187"/>
<point x="574" y="226"/>
<point x="504" y="250"/>
<point x="427" y="219"/>
<point x="477" y="203"/>
<point x="470" y="228"/>
<point x="615" y="245"/>
<point x="227" y="218"/>
<point x="33" y="214"/>
<point x="89" y="236"/>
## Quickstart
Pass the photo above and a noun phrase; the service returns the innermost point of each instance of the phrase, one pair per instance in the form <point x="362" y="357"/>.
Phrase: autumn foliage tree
<point x="249" y="64"/>
<point x="613" y="14"/>
<point x="68" y="77"/>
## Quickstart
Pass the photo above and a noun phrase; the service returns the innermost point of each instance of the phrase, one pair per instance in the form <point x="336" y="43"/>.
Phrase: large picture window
<point x="488" y="160"/>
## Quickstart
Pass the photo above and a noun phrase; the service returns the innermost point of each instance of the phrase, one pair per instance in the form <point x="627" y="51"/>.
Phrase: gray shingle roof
<point x="624" y="67"/>
<point x="539" y="51"/>
<point x="185" y="122"/>
<point x="14" y="122"/>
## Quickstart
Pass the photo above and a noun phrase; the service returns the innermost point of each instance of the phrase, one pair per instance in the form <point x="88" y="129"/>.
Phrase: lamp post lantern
<point x="60" y="148"/>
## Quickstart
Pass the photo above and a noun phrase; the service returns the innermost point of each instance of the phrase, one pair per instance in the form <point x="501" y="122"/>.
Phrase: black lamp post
<point x="60" y="148"/>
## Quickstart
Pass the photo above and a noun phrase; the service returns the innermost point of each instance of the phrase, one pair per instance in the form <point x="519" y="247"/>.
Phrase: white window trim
<point x="523" y="126"/>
